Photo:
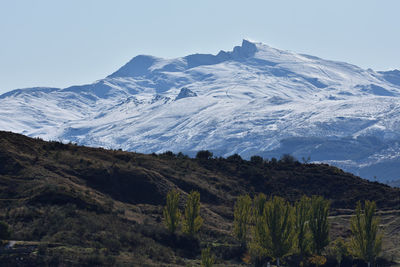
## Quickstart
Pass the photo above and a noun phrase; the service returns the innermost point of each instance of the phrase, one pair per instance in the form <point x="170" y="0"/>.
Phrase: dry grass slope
<point x="74" y="205"/>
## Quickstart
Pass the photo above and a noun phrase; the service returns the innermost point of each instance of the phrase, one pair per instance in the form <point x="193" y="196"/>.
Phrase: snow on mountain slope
<point x="253" y="100"/>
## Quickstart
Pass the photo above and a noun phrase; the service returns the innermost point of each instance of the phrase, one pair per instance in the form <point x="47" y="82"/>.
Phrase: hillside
<point x="255" y="99"/>
<point x="70" y="204"/>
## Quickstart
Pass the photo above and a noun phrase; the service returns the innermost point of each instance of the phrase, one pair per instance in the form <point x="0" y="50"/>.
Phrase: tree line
<point x="272" y="229"/>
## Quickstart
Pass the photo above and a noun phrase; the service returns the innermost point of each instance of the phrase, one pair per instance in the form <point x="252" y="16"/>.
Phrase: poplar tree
<point x="259" y="216"/>
<point x="302" y="229"/>
<point x="279" y="226"/>
<point x="171" y="211"/>
<point x="258" y="206"/>
<point x="242" y="216"/>
<point x="319" y="224"/>
<point x="366" y="241"/>
<point x="257" y="247"/>
<point x="192" y="221"/>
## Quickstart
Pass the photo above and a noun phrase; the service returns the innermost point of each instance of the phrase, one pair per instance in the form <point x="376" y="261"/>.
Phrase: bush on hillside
<point x="204" y="154"/>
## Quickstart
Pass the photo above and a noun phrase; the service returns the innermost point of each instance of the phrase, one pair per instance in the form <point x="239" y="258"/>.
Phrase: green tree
<point x="257" y="250"/>
<point x="366" y="241"/>
<point x="259" y="215"/>
<point x="258" y="207"/>
<point x="192" y="221"/>
<point x="242" y="216"/>
<point x="171" y="211"/>
<point x="319" y="224"/>
<point x="276" y="239"/>
<point x="302" y="230"/>
<point x="207" y="259"/>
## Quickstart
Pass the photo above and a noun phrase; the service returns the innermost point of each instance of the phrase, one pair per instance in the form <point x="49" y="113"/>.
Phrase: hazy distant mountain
<point x="253" y="100"/>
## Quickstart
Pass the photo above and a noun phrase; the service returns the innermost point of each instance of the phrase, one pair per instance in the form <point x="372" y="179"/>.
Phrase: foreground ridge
<point x="62" y="201"/>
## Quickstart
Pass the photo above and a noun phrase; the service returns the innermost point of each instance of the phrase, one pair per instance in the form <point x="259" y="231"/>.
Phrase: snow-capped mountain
<point x="254" y="100"/>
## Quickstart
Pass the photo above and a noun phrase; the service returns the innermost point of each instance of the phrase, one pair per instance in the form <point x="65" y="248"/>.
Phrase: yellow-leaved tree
<point x="242" y="216"/>
<point x="192" y="221"/>
<point x="274" y="235"/>
<point x="171" y="211"/>
<point x="366" y="241"/>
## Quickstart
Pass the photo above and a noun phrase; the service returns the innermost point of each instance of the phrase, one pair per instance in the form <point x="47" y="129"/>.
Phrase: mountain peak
<point x="142" y="65"/>
<point x="137" y="66"/>
<point x="250" y="45"/>
<point x="246" y="50"/>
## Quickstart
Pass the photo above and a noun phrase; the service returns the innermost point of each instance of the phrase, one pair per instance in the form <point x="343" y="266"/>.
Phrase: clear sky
<point x="62" y="43"/>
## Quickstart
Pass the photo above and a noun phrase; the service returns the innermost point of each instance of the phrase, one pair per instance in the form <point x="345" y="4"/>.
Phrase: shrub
<point x="288" y="159"/>
<point x="168" y="154"/>
<point x="317" y="260"/>
<point x="204" y="155"/>
<point x="235" y="157"/>
<point x="207" y="260"/>
<point x="257" y="160"/>
<point x="340" y="249"/>
<point x="180" y="155"/>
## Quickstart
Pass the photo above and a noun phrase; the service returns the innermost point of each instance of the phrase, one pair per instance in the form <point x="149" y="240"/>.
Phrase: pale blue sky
<point x="63" y="43"/>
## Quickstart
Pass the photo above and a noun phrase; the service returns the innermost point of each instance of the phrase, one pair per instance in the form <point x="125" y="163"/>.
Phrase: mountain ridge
<point x="254" y="99"/>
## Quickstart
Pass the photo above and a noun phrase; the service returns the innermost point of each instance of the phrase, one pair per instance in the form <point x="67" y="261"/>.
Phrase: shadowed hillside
<point x="71" y="204"/>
